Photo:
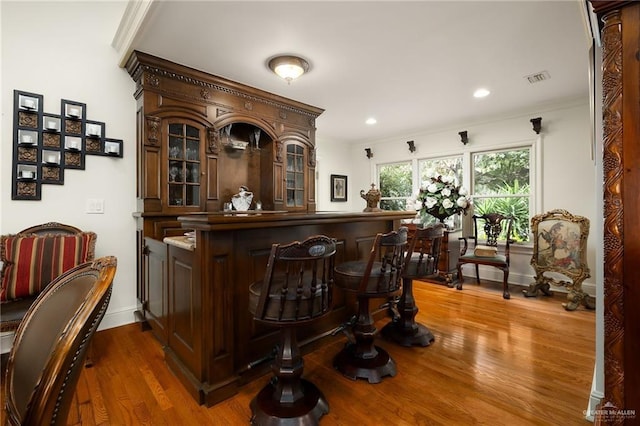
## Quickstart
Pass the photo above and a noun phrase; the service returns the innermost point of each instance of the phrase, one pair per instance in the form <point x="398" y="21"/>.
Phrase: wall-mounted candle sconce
<point x="412" y="146"/>
<point x="464" y="138"/>
<point x="45" y="144"/>
<point x="537" y="124"/>
<point x="369" y="152"/>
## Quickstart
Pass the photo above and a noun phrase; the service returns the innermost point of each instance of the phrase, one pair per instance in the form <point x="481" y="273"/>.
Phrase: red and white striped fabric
<point x="31" y="262"/>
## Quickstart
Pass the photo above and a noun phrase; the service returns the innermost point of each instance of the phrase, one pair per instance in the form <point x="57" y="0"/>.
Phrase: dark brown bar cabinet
<point x="199" y="138"/>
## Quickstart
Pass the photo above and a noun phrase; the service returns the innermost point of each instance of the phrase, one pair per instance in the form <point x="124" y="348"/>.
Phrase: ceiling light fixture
<point x="481" y="93"/>
<point x="288" y="67"/>
<point x="371" y="121"/>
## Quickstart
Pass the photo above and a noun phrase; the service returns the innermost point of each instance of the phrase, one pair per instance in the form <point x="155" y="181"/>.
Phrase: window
<point x="434" y="167"/>
<point x="396" y="185"/>
<point x="501" y="181"/>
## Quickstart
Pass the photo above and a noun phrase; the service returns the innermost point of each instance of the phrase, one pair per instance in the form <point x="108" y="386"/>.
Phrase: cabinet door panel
<point x="278" y="183"/>
<point x="184" y="308"/>
<point x="156" y="286"/>
<point x="212" y="178"/>
<point x="152" y="177"/>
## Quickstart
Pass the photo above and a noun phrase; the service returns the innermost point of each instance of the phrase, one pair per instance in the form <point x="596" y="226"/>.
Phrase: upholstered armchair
<point x="33" y="258"/>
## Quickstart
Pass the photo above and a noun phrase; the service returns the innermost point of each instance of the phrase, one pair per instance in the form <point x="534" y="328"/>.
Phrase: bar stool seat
<point x="377" y="277"/>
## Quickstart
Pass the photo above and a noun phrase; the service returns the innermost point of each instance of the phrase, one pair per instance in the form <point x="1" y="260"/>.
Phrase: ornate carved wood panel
<point x="621" y="167"/>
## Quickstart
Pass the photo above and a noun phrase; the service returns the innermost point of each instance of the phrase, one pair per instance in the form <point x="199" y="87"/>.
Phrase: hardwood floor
<point x="494" y="361"/>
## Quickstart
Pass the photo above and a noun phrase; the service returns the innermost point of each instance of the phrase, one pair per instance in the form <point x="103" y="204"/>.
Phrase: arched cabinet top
<point x="232" y="118"/>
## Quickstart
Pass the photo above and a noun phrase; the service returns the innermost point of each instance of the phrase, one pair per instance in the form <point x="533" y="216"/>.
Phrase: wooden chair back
<point x="487" y="230"/>
<point x="297" y="283"/>
<point x="51" y="228"/>
<point x="51" y="342"/>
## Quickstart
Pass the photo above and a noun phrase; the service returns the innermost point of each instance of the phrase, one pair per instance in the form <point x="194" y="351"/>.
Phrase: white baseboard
<point x="110" y="320"/>
<point x="494" y="274"/>
<point x="6" y="341"/>
<point x="595" y="398"/>
<point x="117" y="318"/>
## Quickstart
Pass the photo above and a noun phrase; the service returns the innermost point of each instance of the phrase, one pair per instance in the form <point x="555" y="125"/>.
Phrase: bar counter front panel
<point x="211" y="338"/>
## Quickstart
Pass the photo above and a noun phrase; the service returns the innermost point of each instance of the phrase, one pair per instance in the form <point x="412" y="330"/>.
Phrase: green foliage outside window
<point x="518" y="207"/>
<point x="501" y="184"/>
<point x="395" y="185"/>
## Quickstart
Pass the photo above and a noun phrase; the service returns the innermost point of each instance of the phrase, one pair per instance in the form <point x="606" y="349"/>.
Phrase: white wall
<point x="334" y="158"/>
<point x="568" y="170"/>
<point x="62" y="50"/>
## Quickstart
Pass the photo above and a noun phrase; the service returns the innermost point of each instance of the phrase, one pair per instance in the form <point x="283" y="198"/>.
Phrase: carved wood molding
<point x="153" y="129"/>
<point x="613" y="211"/>
<point x="312" y="156"/>
<point x="213" y="140"/>
<point x="279" y="147"/>
<point x="153" y="75"/>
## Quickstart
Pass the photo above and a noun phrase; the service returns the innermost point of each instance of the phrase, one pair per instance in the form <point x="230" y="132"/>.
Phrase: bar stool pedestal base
<point x="268" y="411"/>
<point x="372" y="369"/>
<point x="418" y="335"/>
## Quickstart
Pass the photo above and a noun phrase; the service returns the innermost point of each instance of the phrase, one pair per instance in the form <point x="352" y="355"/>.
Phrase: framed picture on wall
<point x="338" y="188"/>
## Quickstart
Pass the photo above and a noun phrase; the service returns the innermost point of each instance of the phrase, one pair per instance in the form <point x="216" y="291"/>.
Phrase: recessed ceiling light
<point x="371" y="121"/>
<point x="481" y="93"/>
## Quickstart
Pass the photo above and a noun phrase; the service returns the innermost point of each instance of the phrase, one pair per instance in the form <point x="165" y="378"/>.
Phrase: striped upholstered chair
<point x="34" y="257"/>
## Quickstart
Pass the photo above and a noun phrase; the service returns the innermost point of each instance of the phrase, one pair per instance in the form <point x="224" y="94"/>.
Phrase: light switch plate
<point x="95" y="206"/>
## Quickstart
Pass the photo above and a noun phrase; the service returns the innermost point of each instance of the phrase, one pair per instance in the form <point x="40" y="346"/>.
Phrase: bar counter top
<point x="261" y="218"/>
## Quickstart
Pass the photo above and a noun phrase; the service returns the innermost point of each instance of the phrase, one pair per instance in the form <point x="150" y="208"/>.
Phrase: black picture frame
<point x="338" y="188"/>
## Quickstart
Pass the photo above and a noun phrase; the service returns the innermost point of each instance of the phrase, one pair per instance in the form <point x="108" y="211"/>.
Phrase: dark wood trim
<point x="621" y="157"/>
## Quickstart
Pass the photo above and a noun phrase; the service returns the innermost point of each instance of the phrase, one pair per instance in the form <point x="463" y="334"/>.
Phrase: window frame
<point x="535" y="173"/>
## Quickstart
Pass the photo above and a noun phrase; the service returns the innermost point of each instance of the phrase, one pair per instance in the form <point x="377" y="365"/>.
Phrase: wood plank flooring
<point x="494" y="362"/>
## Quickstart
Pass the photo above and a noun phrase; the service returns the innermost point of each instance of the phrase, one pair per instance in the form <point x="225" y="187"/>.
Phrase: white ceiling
<point x="412" y="65"/>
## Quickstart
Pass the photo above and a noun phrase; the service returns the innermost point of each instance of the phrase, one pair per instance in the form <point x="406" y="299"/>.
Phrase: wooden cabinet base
<point x="212" y="344"/>
<point x="202" y="392"/>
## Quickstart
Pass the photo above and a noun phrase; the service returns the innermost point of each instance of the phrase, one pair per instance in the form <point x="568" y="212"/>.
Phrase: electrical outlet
<point x="95" y="206"/>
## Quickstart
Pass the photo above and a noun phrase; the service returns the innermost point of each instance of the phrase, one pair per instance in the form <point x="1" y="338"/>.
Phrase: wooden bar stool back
<point x="380" y="276"/>
<point x="421" y="261"/>
<point x="296" y="290"/>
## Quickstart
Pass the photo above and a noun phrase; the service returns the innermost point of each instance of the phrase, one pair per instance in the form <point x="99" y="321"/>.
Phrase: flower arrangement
<point x="441" y="198"/>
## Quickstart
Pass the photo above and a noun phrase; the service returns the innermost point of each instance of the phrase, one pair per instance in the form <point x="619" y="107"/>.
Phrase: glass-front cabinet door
<point x="183" y="164"/>
<point x="295" y="187"/>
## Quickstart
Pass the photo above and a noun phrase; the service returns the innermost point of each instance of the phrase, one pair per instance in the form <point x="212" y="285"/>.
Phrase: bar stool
<point x="421" y="261"/>
<point x="378" y="277"/>
<point x="296" y="290"/>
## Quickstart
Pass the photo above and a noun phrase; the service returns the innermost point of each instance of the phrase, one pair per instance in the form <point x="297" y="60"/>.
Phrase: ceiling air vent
<point x="537" y="77"/>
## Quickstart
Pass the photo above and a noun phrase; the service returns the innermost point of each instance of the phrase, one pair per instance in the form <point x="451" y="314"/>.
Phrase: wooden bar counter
<point x="199" y="307"/>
